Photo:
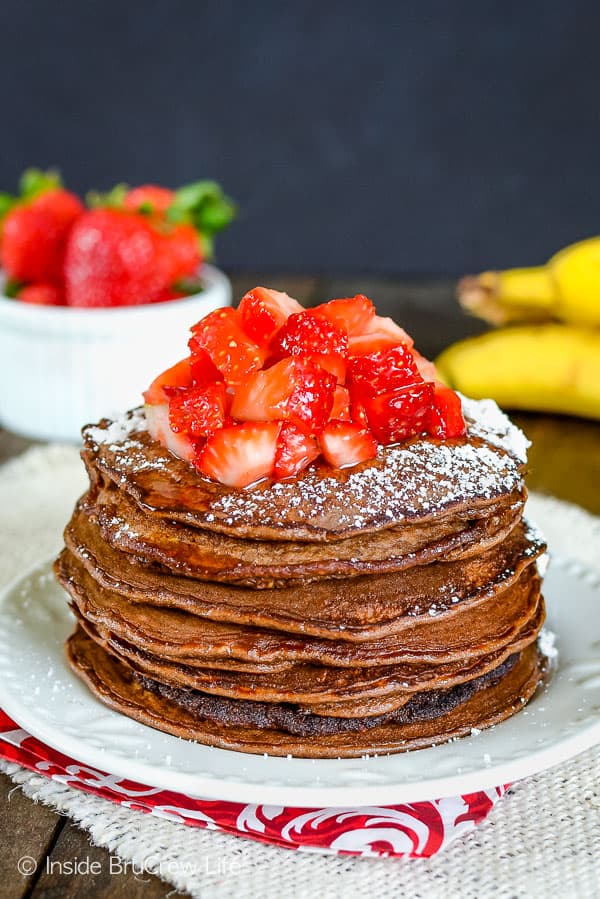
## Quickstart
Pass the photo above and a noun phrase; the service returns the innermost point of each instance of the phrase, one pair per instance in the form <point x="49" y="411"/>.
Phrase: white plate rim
<point x="303" y="796"/>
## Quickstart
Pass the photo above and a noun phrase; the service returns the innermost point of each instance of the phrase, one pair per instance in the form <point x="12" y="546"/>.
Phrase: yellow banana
<point x="567" y="288"/>
<point x="548" y="368"/>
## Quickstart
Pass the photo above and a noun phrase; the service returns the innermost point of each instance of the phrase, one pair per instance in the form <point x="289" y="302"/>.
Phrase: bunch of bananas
<point x="548" y="356"/>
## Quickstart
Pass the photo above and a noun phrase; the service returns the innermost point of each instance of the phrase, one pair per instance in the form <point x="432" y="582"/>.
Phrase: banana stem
<point x="518" y="294"/>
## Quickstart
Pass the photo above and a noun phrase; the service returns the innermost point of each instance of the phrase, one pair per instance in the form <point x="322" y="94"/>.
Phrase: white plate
<point x="38" y="690"/>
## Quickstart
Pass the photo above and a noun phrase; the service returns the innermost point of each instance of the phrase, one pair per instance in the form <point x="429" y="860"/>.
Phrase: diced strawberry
<point x="401" y="413"/>
<point x="42" y="295"/>
<point x="241" y="454"/>
<point x="313" y="337"/>
<point x="296" y="390"/>
<point x="446" y="416"/>
<point x="179" y="375"/>
<point x="149" y="198"/>
<point x="204" y="371"/>
<point x="358" y="414"/>
<point x="345" y="443"/>
<point x="350" y="314"/>
<point x="426" y="368"/>
<point x="221" y="336"/>
<point x="197" y="411"/>
<point x="341" y="404"/>
<point x="295" y="450"/>
<point x="264" y="311"/>
<point x="382" y="371"/>
<point x="157" y="418"/>
<point x="379" y="334"/>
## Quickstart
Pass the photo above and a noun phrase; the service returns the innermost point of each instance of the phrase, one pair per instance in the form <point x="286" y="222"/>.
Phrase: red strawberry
<point x="345" y="443"/>
<point x="241" y="454"/>
<point x="197" y="411"/>
<point x="401" y="413"/>
<point x="179" y="375"/>
<point x="313" y="337"/>
<point x="351" y="314"/>
<point x="380" y="334"/>
<point x="426" y="369"/>
<point x="34" y="236"/>
<point x="341" y="404"/>
<point x="446" y="416"/>
<point x="382" y="371"/>
<point x="220" y="335"/>
<point x="42" y="295"/>
<point x="182" y="252"/>
<point x="157" y="418"/>
<point x="264" y="312"/>
<point x="295" y="450"/>
<point x="293" y="389"/>
<point x="149" y="198"/>
<point x="114" y="258"/>
<point x="204" y="371"/>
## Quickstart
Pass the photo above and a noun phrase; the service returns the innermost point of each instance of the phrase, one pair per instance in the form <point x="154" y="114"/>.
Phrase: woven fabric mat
<point x="542" y="839"/>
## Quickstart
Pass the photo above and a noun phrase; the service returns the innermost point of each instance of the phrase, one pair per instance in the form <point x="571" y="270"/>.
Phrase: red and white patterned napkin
<point x="411" y="830"/>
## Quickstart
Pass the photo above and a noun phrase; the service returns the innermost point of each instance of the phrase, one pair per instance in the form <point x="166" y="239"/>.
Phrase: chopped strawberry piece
<point x="341" y="404"/>
<point x="358" y="414"/>
<point x="351" y="314"/>
<point x="204" y="371"/>
<point x="313" y="337"/>
<point x="221" y="336"/>
<point x="446" y="416"/>
<point x="345" y="443"/>
<point x="426" y="368"/>
<point x="157" y="418"/>
<point x="293" y="389"/>
<point x="179" y="375"/>
<point x="382" y="371"/>
<point x="295" y="450"/>
<point x="263" y="312"/>
<point x="400" y="413"/>
<point x="42" y="295"/>
<point x="379" y="334"/>
<point x="241" y="454"/>
<point x="197" y="411"/>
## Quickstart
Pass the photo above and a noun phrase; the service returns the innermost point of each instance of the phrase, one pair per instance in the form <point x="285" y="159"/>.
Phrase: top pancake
<point x="409" y="482"/>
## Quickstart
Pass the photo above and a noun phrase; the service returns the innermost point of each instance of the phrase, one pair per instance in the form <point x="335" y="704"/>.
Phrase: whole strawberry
<point x="36" y="228"/>
<point x="115" y="258"/>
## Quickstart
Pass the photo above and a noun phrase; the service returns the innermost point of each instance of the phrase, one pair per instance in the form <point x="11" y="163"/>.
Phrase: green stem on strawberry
<point x="34" y="182"/>
<point x="203" y="205"/>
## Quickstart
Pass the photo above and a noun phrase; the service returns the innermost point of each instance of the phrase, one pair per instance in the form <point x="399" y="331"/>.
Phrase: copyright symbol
<point x="26" y="865"/>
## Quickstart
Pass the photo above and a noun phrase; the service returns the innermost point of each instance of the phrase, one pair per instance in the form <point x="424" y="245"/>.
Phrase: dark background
<point x="399" y="138"/>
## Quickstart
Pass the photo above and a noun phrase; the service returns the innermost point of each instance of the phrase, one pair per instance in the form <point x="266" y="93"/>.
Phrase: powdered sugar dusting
<point x="118" y="430"/>
<point x="486" y="419"/>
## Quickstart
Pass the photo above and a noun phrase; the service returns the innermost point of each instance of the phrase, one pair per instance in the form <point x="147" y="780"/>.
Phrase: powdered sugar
<point x="118" y="431"/>
<point x="486" y="419"/>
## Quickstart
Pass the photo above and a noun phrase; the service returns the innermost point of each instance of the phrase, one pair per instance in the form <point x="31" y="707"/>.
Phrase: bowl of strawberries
<point x="94" y="295"/>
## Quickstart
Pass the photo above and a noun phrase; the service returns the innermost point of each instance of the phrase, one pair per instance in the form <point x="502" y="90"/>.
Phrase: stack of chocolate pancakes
<point x="373" y="609"/>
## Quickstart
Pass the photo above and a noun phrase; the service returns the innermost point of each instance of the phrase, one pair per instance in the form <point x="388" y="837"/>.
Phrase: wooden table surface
<point x="564" y="462"/>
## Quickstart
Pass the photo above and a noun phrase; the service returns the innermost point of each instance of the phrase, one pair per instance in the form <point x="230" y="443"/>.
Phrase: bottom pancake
<point x="435" y="716"/>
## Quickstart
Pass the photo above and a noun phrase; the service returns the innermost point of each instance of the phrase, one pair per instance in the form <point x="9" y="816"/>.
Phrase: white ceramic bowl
<point x="62" y="367"/>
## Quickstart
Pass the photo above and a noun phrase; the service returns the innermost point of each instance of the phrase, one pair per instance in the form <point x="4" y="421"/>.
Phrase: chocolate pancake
<point x="432" y="721"/>
<point x="312" y="684"/>
<point x="203" y="555"/>
<point x="419" y="480"/>
<point x="360" y="609"/>
<point x="460" y="633"/>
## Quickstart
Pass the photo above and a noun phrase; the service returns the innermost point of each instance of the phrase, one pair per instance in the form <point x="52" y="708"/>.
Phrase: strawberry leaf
<point x="203" y="205"/>
<point x="112" y="199"/>
<point x="34" y="182"/>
